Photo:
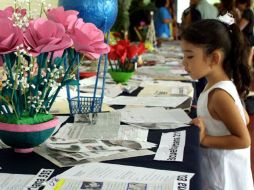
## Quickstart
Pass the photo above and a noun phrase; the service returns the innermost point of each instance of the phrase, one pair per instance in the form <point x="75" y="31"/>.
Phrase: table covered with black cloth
<point x="31" y="163"/>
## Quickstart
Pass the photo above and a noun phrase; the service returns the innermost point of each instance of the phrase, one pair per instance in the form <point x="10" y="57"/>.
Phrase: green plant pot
<point x="24" y="137"/>
<point x="120" y="77"/>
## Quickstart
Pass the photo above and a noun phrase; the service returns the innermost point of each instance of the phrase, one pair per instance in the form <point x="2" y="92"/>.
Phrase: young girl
<point x="216" y="50"/>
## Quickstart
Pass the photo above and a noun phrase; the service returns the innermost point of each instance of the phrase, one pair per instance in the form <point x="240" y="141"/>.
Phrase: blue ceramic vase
<point x="102" y="13"/>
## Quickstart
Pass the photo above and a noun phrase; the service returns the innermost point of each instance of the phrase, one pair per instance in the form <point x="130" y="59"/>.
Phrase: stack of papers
<point x="118" y="177"/>
<point x="95" y="137"/>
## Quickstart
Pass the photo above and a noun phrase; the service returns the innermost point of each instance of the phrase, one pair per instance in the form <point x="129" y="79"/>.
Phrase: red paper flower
<point x="123" y="55"/>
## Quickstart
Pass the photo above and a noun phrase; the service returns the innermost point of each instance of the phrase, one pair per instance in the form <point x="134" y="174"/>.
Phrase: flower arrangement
<point x="33" y="49"/>
<point x="123" y="56"/>
<point x="141" y="31"/>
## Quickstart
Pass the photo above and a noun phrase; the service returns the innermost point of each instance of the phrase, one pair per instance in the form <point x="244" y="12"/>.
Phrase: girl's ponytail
<point x="238" y="61"/>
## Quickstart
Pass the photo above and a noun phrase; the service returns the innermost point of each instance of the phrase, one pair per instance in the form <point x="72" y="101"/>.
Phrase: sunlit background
<point x="181" y="5"/>
<point x="4" y="3"/>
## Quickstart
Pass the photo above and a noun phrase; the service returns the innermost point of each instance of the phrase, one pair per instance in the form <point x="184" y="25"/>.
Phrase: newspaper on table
<point x="133" y="132"/>
<point x="103" y="125"/>
<point x="171" y="146"/>
<point x="118" y="177"/>
<point x="168" y="101"/>
<point x="67" y="159"/>
<point x="172" y="88"/>
<point x="14" y="181"/>
<point x="108" y="129"/>
<point x="70" y="152"/>
<point x="39" y="179"/>
<point x="162" y="125"/>
<point x="95" y="137"/>
<point x="24" y="181"/>
<point x="111" y="90"/>
<point x="160" y="72"/>
<point x="147" y="115"/>
<point x="92" y="145"/>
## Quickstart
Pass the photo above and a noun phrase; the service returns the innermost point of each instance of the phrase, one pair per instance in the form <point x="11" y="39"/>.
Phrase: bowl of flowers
<point x="33" y="49"/>
<point x="123" y="58"/>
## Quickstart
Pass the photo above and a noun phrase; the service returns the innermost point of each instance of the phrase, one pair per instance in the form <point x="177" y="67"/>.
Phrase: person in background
<point x="206" y="9"/>
<point x="215" y="49"/>
<point x="190" y="15"/>
<point x="229" y="6"/>
<point x="246" y="24"/>
<point x="140" y="18"/>
<point x="162" y="19"/>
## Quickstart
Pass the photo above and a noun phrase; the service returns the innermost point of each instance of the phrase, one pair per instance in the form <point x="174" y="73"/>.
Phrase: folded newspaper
<point x="65" y="153"/>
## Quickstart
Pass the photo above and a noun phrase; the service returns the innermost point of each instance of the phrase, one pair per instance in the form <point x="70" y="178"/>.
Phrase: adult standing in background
<point x="207" y="10"/>
<point x="190" y="15"/>
<point x="246" y="24"/>
<point x="229" y="6"/>
<point x="247" y="19"/>
<point x="162" y="19"/>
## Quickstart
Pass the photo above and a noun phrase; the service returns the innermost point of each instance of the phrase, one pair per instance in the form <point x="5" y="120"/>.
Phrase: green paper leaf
<point x="58" y="61"/>
<point x="71" y="82"/>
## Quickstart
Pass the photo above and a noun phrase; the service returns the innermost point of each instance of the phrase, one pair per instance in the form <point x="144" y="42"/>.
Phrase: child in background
<point x="162" y="19"/>
<point x="215" y="49"/>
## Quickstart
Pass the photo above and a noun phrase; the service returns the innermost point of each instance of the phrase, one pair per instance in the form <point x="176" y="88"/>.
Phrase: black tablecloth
<point x="31" y="163"/>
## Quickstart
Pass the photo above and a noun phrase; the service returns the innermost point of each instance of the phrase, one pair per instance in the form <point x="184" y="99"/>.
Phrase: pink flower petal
<point x="45" y="36"/>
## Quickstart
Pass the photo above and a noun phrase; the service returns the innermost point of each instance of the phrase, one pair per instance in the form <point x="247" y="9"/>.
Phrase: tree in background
<point x="122" y="21"/>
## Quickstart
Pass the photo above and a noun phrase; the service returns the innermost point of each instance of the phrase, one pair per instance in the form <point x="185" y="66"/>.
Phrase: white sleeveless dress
<point x="223" y="169"/>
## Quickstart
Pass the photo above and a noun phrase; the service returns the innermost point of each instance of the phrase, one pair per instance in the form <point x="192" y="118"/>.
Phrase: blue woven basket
<point x="85" y="105"/>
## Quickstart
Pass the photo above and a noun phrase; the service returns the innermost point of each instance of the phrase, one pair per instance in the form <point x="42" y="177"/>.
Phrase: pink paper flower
<point x="8" y="12"/>
<point x="10" y="36"/>
<point x="45" y="36"/>
<point x="88" y="39"/>
<point x="59" y="15"/>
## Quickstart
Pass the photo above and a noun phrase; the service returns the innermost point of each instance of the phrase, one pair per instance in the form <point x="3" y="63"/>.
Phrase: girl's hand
<point x="200" y="124"/>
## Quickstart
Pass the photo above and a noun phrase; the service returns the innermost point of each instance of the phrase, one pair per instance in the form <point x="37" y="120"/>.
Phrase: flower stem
<point x="67" y="73"/>
<point x="13" y="82"/>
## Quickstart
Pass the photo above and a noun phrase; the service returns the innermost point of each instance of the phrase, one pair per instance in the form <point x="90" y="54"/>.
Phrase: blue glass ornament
<point x="102" y="13"/>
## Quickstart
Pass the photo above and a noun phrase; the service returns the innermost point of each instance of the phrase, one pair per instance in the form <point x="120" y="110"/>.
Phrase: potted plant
<point x="123" y="57"/>
<point x="33" y="50"/>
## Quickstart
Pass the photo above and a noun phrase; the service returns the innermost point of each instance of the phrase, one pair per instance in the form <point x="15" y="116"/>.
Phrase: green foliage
<point x="32" y="84"/>
<point x="122" y="21"/>
<point x="26" y="119"/>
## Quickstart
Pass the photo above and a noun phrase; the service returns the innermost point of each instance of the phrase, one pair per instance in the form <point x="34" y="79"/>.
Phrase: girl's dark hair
<point x="211" y="35"/>
<point x="227" y="4"/>
<point x="248" y="2"/>
<point x="160" y="3"/>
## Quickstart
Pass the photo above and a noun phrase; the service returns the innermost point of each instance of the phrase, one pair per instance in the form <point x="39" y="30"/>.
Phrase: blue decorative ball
<point x="102" y="13"/>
